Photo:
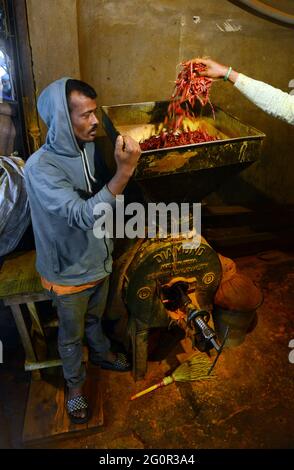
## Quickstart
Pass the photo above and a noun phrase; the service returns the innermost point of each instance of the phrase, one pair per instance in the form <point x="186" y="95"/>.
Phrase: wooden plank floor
<point x="46" y="417"/>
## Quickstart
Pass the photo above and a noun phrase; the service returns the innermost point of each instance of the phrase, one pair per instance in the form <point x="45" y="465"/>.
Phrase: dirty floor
<point x="249" y="404"/>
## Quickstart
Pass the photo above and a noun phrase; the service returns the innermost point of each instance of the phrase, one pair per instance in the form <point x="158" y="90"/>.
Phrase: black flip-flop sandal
<point x="77" y="403"/>
<point x="120" y="364"/>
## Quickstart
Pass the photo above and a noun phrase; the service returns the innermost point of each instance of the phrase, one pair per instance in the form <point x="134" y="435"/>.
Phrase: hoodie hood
<point x="53" y="109"/>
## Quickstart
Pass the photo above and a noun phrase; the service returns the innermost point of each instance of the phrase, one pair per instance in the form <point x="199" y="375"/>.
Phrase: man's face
<point x="83" y="116"/>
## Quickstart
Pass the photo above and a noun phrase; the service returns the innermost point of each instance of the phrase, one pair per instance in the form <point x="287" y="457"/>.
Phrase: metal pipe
<point x="268" y="11"/>
<point x="42" y="364"/>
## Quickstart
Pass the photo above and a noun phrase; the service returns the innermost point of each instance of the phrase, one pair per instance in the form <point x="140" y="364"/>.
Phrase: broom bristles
<point x="195" y="368"/>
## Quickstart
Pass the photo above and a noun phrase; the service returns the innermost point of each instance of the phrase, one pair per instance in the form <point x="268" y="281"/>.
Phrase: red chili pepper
<point x="172" y="139"/>
<point x="189" y="87"/>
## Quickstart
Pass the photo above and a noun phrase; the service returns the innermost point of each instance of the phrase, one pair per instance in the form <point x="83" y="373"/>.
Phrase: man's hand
<point x="215" y="70"/>
<point x="126" y="153"/>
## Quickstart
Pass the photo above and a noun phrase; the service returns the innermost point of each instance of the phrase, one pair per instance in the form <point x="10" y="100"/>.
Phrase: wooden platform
<point x="46" y="418"/>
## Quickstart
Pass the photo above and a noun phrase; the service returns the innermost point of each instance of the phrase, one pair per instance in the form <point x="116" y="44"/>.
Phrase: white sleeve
<point x="271" y="100"/>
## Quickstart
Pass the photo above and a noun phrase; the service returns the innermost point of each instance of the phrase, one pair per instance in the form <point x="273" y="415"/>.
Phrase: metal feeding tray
<point x="203" y="165"/>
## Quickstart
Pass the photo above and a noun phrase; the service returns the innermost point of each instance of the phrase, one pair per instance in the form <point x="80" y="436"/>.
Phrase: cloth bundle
<point x="236" y="291"/>
<point x="14" y="205"/>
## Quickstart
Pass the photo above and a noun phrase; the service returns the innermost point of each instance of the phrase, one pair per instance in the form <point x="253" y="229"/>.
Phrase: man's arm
<point x="56" y="194"/>
<point x="126" y="154"/>
<point x="271" y="100"/>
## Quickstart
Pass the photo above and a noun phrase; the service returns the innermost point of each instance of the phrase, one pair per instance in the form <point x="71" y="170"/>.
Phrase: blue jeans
<point x="81" y="314"/>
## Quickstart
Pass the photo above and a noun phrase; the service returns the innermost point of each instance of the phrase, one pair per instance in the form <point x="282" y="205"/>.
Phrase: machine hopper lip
<point x="259" y="135"/>
<point x="241" y="147"/>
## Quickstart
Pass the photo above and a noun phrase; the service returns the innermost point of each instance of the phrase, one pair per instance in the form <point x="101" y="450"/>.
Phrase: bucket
<point x="239" y="324"/>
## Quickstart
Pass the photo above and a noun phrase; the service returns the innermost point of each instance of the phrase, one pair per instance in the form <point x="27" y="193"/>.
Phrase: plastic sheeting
<point x="14" y="205"/>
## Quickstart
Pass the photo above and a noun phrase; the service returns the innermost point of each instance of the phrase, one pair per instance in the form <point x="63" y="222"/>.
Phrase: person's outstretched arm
<point x="271" y="100"/>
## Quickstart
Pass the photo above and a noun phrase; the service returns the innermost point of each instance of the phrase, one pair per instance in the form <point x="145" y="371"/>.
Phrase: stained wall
<point x="130" y="50"/>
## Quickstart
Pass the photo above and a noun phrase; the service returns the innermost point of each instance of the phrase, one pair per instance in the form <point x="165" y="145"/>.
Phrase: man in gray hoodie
<point x="74" y="265"/>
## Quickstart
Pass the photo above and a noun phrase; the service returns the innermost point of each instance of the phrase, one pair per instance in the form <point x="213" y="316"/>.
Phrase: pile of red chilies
<point x="190" y="87"/>
<point x="173" y="139"/>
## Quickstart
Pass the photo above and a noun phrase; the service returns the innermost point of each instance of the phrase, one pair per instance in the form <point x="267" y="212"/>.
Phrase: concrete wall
<point x="54" y="40"/>
<point x="129" y="51"/>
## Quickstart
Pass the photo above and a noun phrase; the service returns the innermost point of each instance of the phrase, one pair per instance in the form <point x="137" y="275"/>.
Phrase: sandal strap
<point x="77" y="403"/>
<point x="121" y="360"/>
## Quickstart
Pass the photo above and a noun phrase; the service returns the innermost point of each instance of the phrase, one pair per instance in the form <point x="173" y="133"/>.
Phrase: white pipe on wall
<point x="268" y="11"/>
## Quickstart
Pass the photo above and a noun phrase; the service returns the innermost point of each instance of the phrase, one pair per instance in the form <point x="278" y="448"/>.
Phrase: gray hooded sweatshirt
<point x="56" y="175"/>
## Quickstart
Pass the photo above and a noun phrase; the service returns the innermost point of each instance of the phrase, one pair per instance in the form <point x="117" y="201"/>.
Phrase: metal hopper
<point x="189" y="172"/>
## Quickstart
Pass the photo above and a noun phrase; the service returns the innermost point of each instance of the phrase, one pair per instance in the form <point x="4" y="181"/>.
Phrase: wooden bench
<point x="20" y="284"/>
<point x="45" y="416"/>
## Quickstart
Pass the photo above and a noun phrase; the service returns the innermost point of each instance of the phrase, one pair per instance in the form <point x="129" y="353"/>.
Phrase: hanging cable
<point x="267" y="11"/>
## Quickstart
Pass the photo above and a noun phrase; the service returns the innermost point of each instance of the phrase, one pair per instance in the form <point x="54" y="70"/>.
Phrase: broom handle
<point x="165" y="381"/>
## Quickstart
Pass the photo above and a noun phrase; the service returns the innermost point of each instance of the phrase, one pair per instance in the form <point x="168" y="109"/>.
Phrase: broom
<point x="197" y="367"/>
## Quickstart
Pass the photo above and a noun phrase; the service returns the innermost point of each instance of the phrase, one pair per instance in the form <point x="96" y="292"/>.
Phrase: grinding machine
<point x="162" y="280"/>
